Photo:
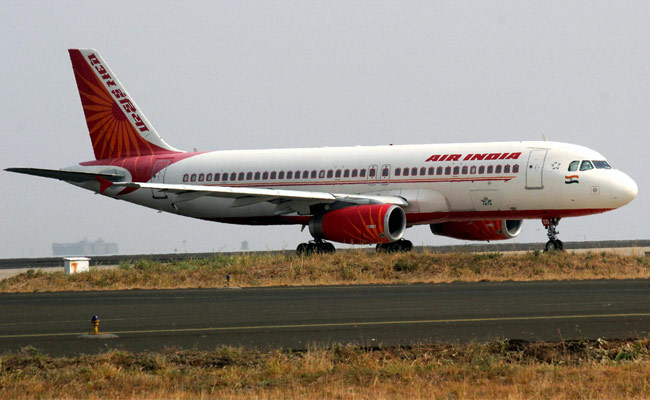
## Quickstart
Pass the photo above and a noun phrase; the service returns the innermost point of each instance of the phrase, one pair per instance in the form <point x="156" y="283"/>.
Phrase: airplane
<point x="352" y="195"/>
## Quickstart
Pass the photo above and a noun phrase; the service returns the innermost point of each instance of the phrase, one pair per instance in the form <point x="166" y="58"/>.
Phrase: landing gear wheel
<point x="553" y="244"/>
<point x="405" y="245"/>
<point x="315" y="246"/>
<point x="328" y="248"/>
<point x="401" y="246"/>
<point x="301" y="249"/>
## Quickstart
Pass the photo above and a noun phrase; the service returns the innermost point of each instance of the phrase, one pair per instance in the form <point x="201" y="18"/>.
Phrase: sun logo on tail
<point x="116" y="126"/>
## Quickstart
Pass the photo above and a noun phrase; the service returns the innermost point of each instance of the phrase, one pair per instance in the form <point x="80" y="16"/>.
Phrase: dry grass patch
<point x="339" y="269"/>
<point x="569" y="370"/>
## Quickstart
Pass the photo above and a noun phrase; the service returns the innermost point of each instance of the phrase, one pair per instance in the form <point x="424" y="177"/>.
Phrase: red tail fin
<point x="117" y="127"/>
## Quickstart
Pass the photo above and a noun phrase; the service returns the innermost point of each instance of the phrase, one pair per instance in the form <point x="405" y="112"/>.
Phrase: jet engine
<point x="364" y="224"/>
<point x="478" y="230"/>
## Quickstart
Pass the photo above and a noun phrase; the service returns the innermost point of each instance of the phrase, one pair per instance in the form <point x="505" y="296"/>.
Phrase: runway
<point x="304" y="317"/>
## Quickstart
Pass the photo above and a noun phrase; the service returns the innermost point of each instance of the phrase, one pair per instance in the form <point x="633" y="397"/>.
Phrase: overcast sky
<point x="240" y="74"/>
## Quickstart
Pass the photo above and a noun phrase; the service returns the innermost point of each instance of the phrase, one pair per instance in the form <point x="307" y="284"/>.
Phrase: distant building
<point x="84" y="248"/>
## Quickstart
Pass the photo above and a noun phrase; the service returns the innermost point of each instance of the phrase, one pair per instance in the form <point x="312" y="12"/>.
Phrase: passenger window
<point x="490" y="169"/>
<point x="225" y="177"/>
<point x="384" y="172"/>
<point x="497" y="170"/>
<point x="465" y="170"/>
<point x="372" y="172"/>
<point x="241" y="176"/>
<point x="456" y="170"/>
<point x="406" y="172"/>
<point x="208" y="177"/>
<point x="289" y="174"/>
<point x="193" y="178"/>
<point x="265" y="175"/>
<point x="354" y="173"/>
<point x="217" y="176"/>
<point x="273" y="174"/>
<point x="586" y="165"/>
<point x="186" y="178"/>
<point x="321" y="174"/>
<point x="297" y="175"/>
<point x="330" y="173"/>
<point x="346" y="173"/>
<point x="305" y="174"/>
<point x="506" y="169"/>
<point x="448" y="171"/>
<point x="233" y="176"/>
<point x="472" y="170"/>
<point x="414" y="171"/>
<point x="362" y="173"/>
<point x="439" y="171"/>
<point x="257" y="176"/>
<point x="313" y="174"/>
<point x="249" y="176"/>
<point x="481" y="169"/>
<point x="573" y="166"/>
<point x="515" y="168"/>
<point x="398" y="171"/>
<point x="423" y="171"/>
<point x="281" y="175"/>
<point x="432" y="170"/>
<point x="201" y="177"/>
<point x="338" y="173"/>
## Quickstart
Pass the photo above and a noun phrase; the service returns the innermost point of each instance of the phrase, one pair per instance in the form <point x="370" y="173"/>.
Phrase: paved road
<point x="320" y="316"/>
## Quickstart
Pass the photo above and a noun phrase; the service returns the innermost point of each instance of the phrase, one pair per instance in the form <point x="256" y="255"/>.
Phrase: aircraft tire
<point x="302" y="249"/>
<point x="328" y="248"/>
<point x="554" y="245"/>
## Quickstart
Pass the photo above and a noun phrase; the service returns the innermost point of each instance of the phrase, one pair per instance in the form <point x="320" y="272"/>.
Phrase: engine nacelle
<point x="365" y="224"/>
<point x="478" y="230"/>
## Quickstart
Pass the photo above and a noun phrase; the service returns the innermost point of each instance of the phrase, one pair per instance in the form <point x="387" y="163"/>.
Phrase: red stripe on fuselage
<point x="288" y="184"/>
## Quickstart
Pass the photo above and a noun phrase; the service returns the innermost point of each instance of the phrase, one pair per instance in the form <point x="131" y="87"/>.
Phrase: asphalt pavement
<point x="310" y="317"/>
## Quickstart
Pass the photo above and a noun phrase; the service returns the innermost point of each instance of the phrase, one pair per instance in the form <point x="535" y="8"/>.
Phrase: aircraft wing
<point x="286" y="201"/>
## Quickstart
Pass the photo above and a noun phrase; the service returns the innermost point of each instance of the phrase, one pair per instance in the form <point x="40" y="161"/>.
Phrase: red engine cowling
<point x="366" y="224"/>
<point x="478" y="230"/>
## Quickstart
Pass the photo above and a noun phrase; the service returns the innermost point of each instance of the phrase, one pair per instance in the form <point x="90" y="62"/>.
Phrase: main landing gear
<point x="401" y="246"/>
<point x="317" y="246"/>
<point x="553" y="242"/>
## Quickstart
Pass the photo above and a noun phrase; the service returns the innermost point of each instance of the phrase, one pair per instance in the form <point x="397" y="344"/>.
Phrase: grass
<point x="503" y="370"/>
<point x="360" y="267"/>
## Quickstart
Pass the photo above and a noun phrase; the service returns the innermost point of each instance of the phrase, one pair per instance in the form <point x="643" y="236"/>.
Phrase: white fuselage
<point x="514" y="180"/>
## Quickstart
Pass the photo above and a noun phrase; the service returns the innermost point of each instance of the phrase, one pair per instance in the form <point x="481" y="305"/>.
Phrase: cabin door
<point x="372" y="174"/>
<point x="535" y="169"/>
<point x="385" y="174"/>
<point x="158" y="176"/>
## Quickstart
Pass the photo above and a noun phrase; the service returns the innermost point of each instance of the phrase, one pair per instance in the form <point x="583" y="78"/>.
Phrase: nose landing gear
<point x="553" y="242"/>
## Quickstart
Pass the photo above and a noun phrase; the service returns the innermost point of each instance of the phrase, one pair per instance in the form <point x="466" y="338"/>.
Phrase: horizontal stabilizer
<point x="68" y="176"/>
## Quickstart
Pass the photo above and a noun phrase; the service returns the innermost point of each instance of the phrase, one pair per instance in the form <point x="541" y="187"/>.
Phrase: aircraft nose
<point x="624" y="189"/>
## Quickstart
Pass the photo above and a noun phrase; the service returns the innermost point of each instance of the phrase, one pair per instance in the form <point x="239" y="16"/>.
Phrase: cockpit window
<point x="574" y="165"/>
<point x="586" y="165"/>
<point x="602" y="165"/>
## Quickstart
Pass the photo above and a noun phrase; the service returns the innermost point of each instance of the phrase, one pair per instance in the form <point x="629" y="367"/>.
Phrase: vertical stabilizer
<point x="117" y="126"/>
